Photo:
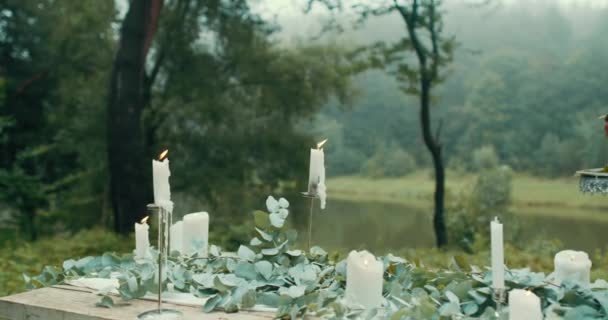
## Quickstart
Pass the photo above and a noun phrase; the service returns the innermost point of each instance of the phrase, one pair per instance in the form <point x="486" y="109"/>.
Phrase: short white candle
<point x="364" y="279"/>
<point x="498" y="255"/>
<point x="572" y="265"/>
<point x="142" y="241"/>
<point x="160" y="177"/>
<point x="195" y="231"/>
<point x="524" y="305"/>
<point x="176" y="236"/>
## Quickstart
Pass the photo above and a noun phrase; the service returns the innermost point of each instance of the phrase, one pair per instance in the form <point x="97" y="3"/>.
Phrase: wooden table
<point x="72" y="303"/>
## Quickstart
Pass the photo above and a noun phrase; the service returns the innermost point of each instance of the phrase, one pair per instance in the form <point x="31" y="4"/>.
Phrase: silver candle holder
<point x="499" y="297"/>
<point x="165" y="219"/>
<point x="312" y="194"/>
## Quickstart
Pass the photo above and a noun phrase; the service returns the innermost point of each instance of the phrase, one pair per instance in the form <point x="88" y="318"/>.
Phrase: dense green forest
<point x="239" y="91"/>
<point x="238" y="104"/>
<point x="529" y="97"/>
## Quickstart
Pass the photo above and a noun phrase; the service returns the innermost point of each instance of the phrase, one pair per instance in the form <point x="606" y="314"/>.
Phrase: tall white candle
<point x="364" y="279"/>
<point x="316" y="175"/>
<point x="572" y="265"/>
<point x="160" y="177"/>
<point x="142" y="241"/>
<point x="524" y="305"/>
<point x="195" y="234"/>
<point x="176" y="236"/>
<point x="498" y="255"/>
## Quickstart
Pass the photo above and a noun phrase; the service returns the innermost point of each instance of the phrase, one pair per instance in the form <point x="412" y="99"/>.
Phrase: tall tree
<point x="128" y="163"/>
<point x="423" y="36"/>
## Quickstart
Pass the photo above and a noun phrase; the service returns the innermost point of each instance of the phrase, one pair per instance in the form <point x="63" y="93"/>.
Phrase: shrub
<point x="389" y="162"/>
<point x="470" y="213"/>
<point x="485" y="158"/>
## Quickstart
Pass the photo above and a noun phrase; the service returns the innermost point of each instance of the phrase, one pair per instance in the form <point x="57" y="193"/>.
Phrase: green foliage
<point x="470" y="213"/>
<point x="485" y="158"/>
<point x="30" y="257"/>
<point x="270" y="272"/>
<point x="389" y="161"/>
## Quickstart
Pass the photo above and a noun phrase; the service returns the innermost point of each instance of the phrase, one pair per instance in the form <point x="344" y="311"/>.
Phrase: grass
<point x="30" y="257"/>
<point x="531" y="195"/>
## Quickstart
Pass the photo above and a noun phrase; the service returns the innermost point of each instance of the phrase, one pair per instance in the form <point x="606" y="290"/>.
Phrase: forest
<point x="502" y="115"/>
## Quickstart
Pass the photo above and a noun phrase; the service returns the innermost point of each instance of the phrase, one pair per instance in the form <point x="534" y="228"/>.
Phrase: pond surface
<point x="385" y="227"/>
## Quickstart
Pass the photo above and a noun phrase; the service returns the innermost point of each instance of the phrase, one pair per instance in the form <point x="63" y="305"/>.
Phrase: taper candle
<point x="498" y="259"/>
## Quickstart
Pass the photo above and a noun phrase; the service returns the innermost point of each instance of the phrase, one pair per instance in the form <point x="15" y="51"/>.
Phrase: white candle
<point x="316" y="174"/>
<point x="176" y="236"/>
<point x="498" y="255"/>
<point x="524" y="305"/>
<point x="142" y="241"/>
<point x="572" y="265"/>
<point x="364" y="279"/>
<point x="160" y="177"/>
<point x="195" y="233"/>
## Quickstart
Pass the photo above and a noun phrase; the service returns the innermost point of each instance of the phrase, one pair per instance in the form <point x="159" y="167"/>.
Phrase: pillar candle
<point x="524" y="305"/>
<point x="498" y="260"/>
<point x="364" y="279"/>
<point x="160" y="177"/>
<point x="195" y="233"/>
<point x="572" y="265"/>
<point x="176" y="236"/>
<point x="142" y="241"/>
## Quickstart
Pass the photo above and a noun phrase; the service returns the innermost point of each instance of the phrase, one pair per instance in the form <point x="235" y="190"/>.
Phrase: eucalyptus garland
<point x="270" y="272"/>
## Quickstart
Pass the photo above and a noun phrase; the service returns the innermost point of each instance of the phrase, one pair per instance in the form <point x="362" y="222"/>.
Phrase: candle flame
<point x="163" y="155"/>
<point x="144" y="219"/>
<point x="365" y="262"/>
<point x="320" y="144"/>
<point x="528" y="292"/>
<point x="602" y="116"/>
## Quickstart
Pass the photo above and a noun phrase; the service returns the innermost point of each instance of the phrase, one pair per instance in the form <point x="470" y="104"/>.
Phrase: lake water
<point x="382" y="227"/>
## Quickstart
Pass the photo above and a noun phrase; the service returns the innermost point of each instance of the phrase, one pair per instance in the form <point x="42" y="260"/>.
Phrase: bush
<point x="470" y="213"/>
<point x="485" y="158"/>
<point x="399" y="163"/>
<point x="389" y="162"/>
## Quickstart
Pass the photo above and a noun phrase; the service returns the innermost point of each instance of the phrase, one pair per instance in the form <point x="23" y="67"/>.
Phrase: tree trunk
<point x="129" y="166"/>
<point x="435" y="149"/>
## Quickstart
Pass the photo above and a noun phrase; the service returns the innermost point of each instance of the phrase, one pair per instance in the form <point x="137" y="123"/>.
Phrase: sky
<point x="296" y="25"/>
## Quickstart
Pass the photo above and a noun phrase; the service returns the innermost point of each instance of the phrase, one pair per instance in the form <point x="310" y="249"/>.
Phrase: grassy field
<point x="531" y="195"/>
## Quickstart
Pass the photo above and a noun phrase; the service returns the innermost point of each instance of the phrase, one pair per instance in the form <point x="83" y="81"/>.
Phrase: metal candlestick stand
<point x="499" y="296"/>
<point x="165" y="218"/>
<point x="312" y="194"/>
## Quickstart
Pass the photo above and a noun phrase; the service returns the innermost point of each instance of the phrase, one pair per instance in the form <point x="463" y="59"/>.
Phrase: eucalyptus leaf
<point x="264" y="235"/>
<point x="283" y="203"/>
<point x="261" y="219"/>
<point x="255" y="242"/>
<point x="270" y="251"/>
<point x="276" y="220"/>
<point x="264" y="268"/>
<point x="212" y="302"/>
<point x="106" y="302"/>
<point x="272" y="204"/>
<point x="245" y="253"/>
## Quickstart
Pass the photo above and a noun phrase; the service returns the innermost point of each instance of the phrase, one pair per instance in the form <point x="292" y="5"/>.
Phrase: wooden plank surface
<point x="65" y="303"/>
